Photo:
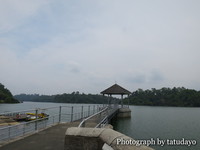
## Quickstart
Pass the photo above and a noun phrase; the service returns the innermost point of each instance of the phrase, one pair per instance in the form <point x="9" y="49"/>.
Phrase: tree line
<point x="74" y="97"/>
<point x="177" y="96"/>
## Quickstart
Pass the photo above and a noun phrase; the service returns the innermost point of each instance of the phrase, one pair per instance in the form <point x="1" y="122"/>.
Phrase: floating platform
<point x="7" y="121"/>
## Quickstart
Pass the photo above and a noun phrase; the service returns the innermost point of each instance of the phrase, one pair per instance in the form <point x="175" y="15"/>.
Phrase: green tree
<point x="166" y="97"/>
<point x="6" y="96"/>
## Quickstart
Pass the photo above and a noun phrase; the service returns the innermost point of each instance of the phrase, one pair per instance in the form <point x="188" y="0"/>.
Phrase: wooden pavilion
<point x="116" y="90"/>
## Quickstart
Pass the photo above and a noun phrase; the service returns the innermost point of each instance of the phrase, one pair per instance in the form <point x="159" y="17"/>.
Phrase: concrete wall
<point x="94" y="139"/>
<point x="124" y="113"/>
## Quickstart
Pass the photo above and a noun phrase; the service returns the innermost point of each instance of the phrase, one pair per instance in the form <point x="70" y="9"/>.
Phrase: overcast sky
<point x="61" y="46"/>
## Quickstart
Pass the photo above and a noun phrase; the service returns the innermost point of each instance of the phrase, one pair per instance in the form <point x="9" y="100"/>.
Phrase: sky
<point x="60" y="46"/>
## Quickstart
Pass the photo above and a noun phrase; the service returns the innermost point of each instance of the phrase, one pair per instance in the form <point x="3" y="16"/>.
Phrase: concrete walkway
<point x="48" y="139"/>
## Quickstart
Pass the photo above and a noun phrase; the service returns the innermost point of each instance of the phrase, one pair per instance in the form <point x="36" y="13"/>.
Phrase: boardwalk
<point x="53" y="137"/>
<point x="49" y="139"/>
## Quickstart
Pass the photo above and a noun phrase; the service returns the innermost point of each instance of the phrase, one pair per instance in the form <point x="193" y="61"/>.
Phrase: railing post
<point x="83" y="125"/>
<point x="72" y="111"/>
<point x="99" y="117"/>
<point x="60" y="114"/>
<point x="9" y="133"/>
<point x="89" y="110"/>
<point x="36" y="124"/>
<point x="82" y="112"/>
<point x="45" y="123"/>
<point x="93" y="109"/>
<point x="24" y="130"/>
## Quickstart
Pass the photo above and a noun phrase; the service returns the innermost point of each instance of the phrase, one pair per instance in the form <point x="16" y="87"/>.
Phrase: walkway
<point x="49" y="139"/>
<point x="53" y="137"/>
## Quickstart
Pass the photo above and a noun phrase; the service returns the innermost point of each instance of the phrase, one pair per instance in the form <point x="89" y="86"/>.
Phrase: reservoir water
<point x="164" y="123"/>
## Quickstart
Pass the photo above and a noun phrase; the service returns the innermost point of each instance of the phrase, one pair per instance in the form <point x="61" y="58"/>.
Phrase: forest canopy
<point x="177" y="96"/>
<point x="74" y="97"/>
<point x="6" y="96"/>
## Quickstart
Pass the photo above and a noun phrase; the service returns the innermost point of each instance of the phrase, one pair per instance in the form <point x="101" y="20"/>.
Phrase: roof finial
<point x="115" y="82"/>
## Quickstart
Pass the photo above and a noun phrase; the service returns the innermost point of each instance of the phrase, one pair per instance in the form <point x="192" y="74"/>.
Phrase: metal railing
<point x="102" y="117"/>
<point x="56" y="115"/>
<point x="110" y="113"/>
<point x="82" y="124"/>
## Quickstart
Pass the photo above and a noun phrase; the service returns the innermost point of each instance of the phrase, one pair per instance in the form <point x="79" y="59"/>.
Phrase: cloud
<point x="138" y="79"/>
<point x="60" y="46"/>
<point x="14" y="12"/>
<point x="74" y="67"/>
<point x="156" y="76"/>
<point x="141" y="79"/>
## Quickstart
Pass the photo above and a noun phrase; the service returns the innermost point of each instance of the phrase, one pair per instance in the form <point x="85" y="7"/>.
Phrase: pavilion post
<point x="128" y="100"/>
<point x="115" y="90"/>
<point x="122" y="100"/>
<point x="109" y="100"/>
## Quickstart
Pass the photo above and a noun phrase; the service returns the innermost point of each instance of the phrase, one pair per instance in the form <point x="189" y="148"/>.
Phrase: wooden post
<point x="110" y="100"/>
<point x="128" y="100"/>
<point x="122" y="100"/>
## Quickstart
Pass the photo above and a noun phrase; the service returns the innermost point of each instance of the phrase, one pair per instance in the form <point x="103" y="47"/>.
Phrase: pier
<point x="70" y="128"/>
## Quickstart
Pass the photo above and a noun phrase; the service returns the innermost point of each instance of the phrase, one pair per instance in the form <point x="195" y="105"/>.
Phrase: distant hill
<point x="74" y="97"/>
<point x="6" y="96"/>
<point x="177" y="96"/>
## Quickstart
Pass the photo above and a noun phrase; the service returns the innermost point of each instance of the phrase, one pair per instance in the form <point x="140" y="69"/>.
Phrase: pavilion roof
<point x="116" y="90"/>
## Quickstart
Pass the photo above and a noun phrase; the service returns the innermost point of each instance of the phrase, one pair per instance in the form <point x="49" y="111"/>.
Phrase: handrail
<point x="84" y="120"/>
<point x="55" y="116"/>
<point x="104" y="119"/>
<point x="24" y="123"/>
<point x="45" y="108"/>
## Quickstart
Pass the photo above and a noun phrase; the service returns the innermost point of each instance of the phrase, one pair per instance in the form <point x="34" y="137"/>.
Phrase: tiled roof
<point x="116" y="89"/>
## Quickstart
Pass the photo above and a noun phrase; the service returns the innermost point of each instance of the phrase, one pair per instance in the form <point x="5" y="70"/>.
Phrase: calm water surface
<point x="145" y="123"/>
<point x="51" y="109"/>
<point x="32" y="105"/>
<point x="163" y="123"/>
